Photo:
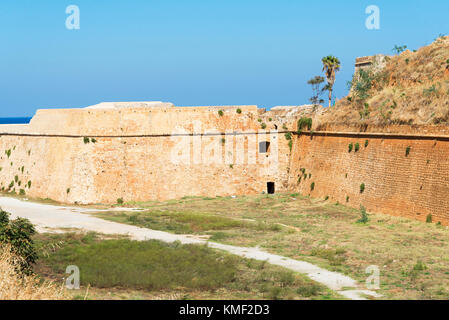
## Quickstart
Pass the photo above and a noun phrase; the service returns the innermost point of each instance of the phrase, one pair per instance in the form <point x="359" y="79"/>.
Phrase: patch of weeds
<point x="335" y="256"/>
<point x="363" y="216"/>
<point x="312" y="186"/>
<point x="429" y="218"/>
<point x="93" y="140"/>
<point x="407" y="151"/>
<point x="120" y="201"/>
<point x="362" y="188"/>
<point x="357" y="147"/>
<point x="347" y="199"/>
<point x="239" y="111"/>
<point x="22" y="192"/>
<point x="304" y="123"/>
<point x="350" y="147"/>
<point x="366" y="143"/>
<point x="86" y="140"/>
<point x="220" y="113"/>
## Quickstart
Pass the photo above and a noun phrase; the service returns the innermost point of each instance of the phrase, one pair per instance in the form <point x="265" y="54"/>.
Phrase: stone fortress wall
<point x="142" y="151"/>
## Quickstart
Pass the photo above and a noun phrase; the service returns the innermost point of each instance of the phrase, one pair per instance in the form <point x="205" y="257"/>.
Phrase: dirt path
<point x="50" y="218"/>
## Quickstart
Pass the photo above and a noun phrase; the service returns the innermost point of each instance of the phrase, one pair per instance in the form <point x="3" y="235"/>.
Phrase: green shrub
<point x="86" y="140"/>
<point x="357" y="147"/>
<point x="29" y="184"/>
<point x="290" y="145"/>
<point x="347" y="198"/>
<point x="429" y="218"/>
<point x="327" y="198"/>
<point x="239" y="111"/>
<point x="93" y="140"/>
<point x="366" y="143"/>
<point x="288" y="136"/>
<point x="304" y="122"/>
<point x="120" y="201"/>
<point x="22" y="192"/>
<point x="350" y="147"/>
<point x="68" y="190"/>
<point x="263" y="125"/>
<point x="362" y="188"/>
<point x="8" y="153"/>
<point x="312" y="186"/>
<point x="220" y="113"/>
<point x="363" y="215"/>
<point x="18" y="234"/>
<point x="407" y="151"/>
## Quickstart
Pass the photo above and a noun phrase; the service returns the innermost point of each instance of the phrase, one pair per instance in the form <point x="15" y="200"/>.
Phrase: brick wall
<point x="412" y="186"/>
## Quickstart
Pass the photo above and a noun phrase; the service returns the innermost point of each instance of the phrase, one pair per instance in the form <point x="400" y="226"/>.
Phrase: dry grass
<point x="412" y="89"/>
<point x="412" y="255"/>
<point x="14" y="286"/>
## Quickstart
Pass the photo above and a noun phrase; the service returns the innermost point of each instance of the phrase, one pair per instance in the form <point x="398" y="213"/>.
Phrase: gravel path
<point x="50" y="218"/>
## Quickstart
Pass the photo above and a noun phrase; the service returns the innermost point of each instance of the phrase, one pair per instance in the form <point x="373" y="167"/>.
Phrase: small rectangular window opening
<point x="264" y="147"/>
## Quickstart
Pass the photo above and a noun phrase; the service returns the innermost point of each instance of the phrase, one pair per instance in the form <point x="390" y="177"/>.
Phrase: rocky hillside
<point x="413" y="88"/>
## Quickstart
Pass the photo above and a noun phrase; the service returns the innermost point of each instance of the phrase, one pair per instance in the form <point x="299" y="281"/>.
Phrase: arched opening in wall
<point x="264" y="147"/>
<point x="270" y="188"/>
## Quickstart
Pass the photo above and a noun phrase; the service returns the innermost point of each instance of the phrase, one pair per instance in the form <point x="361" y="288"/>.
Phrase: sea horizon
<point x="15" y="120"/>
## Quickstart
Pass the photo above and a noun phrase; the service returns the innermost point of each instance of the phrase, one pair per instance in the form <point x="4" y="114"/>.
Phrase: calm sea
<point x="15" y="120"/>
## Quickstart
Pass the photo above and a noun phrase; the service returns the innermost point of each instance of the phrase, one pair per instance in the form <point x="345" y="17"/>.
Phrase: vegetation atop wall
<point x="413" y="88"/>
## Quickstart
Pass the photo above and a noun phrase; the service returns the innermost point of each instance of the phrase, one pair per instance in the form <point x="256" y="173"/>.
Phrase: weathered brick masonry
<point x="141" y="153"/>
<point x="129" y="155"/>
<point x="413" y="185"/>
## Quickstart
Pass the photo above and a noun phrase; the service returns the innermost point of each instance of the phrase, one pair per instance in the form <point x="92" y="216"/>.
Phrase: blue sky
<point x="193" y="52"/>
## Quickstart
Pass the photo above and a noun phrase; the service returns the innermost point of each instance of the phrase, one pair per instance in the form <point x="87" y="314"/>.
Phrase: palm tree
<point x="331" y="65"/>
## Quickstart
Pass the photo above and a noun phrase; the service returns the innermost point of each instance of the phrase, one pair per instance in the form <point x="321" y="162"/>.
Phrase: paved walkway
<point x="50" y="218"/>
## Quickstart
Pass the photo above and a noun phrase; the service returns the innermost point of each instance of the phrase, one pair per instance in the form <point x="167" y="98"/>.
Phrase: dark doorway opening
<point x="264" y="147"/>
<point x="270" y="187"/>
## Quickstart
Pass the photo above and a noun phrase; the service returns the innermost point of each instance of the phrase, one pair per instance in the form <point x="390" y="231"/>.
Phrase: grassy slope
<point x="412" y="255"/>
<point x="412" y="89"/>
<point x="124" y="269"/>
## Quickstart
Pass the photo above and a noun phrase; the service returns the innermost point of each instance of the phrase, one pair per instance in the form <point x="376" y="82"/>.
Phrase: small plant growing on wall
<point x="8" y="153"/>
<point x="363" y="215"/>
<point x="347" y="198"/>
<point x="304" y="123"/>
<point x="93" y="140"/>
<point x="231" y="166"/>
<point x="220" y="113"/>
<point x="86" y="140"/>
<point x="68" y="190"/>
<point x="350" y="147"/>
<point x="327" y="198"/>
<point x="407" y="151"/>
<point x="290" y="145"/>
<point x="22" y="192"/>
<point x="366" y="143"/>
<point x="288" y="136"/>
<point x="270" y="119"/>
<point x="357" y="147"/>
<point x="362" y="188"/>
<point x="263" y="126"/>
<point x="284" y="126"/>
<point x="259" y="120"/>
<point x="120" y="201"/>
<point x="223" y="140"/>
<point x="239" y="111"/>
<point x="429" y="218"/>
<point x="312" y="186"/>
<point x="29" y="184"/>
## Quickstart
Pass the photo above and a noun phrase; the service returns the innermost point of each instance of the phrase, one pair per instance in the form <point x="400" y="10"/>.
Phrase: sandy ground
<point x="50" y="218"/>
